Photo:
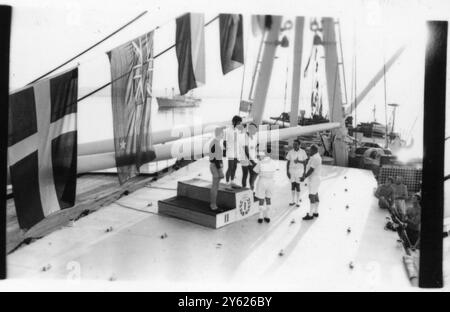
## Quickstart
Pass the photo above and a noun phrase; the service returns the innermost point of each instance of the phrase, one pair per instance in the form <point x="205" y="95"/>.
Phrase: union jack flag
<point x="132" y="74"/>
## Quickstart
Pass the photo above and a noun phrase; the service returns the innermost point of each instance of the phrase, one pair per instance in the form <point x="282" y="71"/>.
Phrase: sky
<point x="46" y="33"/>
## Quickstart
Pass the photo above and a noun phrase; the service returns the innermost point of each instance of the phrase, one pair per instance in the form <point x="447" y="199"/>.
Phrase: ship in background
<point x="175" y="101"/>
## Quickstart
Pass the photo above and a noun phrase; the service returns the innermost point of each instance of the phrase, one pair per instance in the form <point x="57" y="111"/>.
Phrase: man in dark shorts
<point x="216" y="165"/>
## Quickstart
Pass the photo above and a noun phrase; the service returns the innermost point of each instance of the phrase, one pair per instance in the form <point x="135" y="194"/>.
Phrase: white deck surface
<point x="243" y="255"/>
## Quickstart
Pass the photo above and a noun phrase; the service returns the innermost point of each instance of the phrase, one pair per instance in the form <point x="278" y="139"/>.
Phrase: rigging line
<point x="351" y="85"/>
<point x="309" y="60"/>
<point x="385" y="98"/>
<point x="127" y="73"/>
<point x="134" y="208"/>
<point x="334" y="90"/>
<point x="90" y="48"/>
<point x="255" y="71"/>
<point x="243" y="78"/>
<point x="286" y="84"/>
<point x="161" y="188"/>
<point x="243" y="70"/>
<point x="355" y="91"/>
<point x="342" y="61"/>
<point x="142" y="210"/>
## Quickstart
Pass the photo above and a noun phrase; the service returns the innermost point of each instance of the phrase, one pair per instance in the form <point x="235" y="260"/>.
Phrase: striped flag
<point x="231" y="41"/>
<point x="42" y="147"/>
<point x="132" y="74"/>
<point x="190" y="49"/>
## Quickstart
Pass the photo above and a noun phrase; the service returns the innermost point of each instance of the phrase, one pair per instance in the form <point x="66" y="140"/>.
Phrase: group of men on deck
<point x="239" y="144"/>
<point x="393" y="195"/>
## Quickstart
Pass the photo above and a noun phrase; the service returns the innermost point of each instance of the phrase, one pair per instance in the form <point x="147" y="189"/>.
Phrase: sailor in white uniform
<point x="295" y="168"/>
<point x="312" y="175"/>
<point x="249" y="159"/>
<point x="266" y="183"/>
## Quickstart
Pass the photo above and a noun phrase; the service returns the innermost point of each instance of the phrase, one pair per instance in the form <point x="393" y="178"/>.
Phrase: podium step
<point x="196" y="211"/>
<point x="200" y="189"/>
<point x="192" y="204"/>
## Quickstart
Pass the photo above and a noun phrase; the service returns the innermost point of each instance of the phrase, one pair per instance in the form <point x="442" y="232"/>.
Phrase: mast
<point x="250" y="96"/>
<point x="332" y="70"/>
<point x="335" y="108"/>
<point x="393" y="115"/>
<point x="265" y="72"/>
<point x="296" y="71"/>
<point x="380" y="74"/>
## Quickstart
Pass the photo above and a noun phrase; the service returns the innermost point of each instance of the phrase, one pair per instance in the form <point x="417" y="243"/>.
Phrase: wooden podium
<point x="192" y="204"/>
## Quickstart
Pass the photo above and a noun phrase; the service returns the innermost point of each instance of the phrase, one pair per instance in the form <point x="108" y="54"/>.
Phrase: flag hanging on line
<point x="231" y="41"/>
<point x="131" y="92"/>
<point x="260" y="23"/>
<point x="42" y="147"/>
<point x="190" y="49"/>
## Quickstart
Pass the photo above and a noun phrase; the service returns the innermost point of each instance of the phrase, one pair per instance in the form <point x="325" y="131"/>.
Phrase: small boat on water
<point x="175" y="101"/>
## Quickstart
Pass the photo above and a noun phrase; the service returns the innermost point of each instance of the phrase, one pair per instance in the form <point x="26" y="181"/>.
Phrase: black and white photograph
<point x="214" y="146"/>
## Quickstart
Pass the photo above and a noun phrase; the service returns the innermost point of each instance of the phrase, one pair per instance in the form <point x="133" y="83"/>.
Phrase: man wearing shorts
<point x="295" y="168"/>
<point x="266" y="171"/>
<point x="313" y="169"/>
<point x="248" y="157"/>
<point x="216" y="165"/>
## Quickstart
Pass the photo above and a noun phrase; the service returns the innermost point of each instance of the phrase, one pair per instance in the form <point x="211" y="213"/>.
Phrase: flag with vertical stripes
<point x="131" y="91"/>
<point x="231" y="41"/>
<point x="42" y="147"/>
<point x="190" y="49"/>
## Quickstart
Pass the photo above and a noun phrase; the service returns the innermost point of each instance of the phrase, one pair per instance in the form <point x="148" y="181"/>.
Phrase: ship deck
<point x="287" y="254"/>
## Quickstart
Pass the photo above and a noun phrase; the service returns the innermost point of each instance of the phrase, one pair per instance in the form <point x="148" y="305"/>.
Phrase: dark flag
<point x="190" y="48"/>
<point x="42" y="147"/>
<point x="132" y="74"/>
<point x="261" y="23"/>
<point x="231" y="41"/>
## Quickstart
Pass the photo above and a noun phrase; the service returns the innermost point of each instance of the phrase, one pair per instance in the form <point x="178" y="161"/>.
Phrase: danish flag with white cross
<point x="42" y="147"/>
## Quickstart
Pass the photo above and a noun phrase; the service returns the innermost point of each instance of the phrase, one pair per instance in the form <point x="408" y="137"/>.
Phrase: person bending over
<point x="385" y="194"/>
<point x="413" y="215"/>
<point x="400" y="196"/>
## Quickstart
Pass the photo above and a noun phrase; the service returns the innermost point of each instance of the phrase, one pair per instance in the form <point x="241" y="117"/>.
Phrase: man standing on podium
<point x="216" y="165"/>
<point x="232" y="146"/>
